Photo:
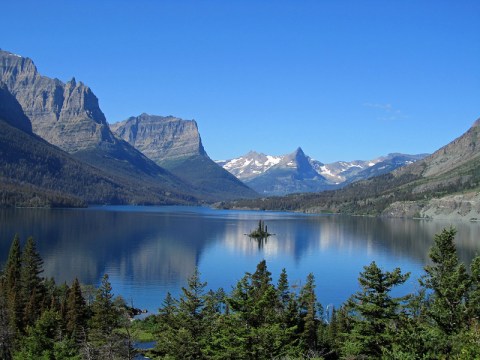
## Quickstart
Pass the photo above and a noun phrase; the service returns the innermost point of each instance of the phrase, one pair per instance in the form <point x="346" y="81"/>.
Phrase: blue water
<point x="148" y="251"/>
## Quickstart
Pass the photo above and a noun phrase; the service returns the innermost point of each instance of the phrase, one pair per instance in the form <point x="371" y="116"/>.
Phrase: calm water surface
<point x="148" y="251"/>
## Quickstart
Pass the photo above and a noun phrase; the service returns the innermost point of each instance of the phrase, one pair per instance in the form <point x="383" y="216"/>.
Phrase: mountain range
<point x="442" y="185"/>
<point x="68" y="116"/>
<point x="297" y="172"/>
<point x="57" y="149"/>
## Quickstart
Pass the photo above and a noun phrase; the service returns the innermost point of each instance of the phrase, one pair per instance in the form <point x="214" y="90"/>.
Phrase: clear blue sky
<point x="342" y="79"/>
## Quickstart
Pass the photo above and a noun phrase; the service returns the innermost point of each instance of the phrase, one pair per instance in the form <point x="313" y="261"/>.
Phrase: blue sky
<point x="342" y="79"/>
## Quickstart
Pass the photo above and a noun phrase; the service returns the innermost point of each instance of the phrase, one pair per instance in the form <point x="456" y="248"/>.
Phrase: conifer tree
<point x="376" y="312"/>
<point x="191" y="317"/>
<point x="105" y="315"/>
<point x="474" y="292"/>
<point x="309" y="323"/>
<point x="76" y="317"/>
<point x="11" y="287"/>
<point x="283" y="291"/>
<point x="32" y="287"/>
<point x="448" y="279"/>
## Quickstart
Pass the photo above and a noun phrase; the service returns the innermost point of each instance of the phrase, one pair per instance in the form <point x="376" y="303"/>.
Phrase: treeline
<point x="263" y="320"/>
<point x="258" y="319"/>
<point x="42" y="320"/>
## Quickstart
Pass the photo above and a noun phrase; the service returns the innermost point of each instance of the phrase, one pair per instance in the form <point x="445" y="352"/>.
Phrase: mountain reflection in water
<point x="148" y="251"/>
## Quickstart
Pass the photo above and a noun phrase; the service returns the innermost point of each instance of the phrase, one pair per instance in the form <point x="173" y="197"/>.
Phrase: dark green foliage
<point x="376" y="314"/>
<point x="32" y="286"/>
<point x="11" y="288"/>
<point x="75" y="312"/>
<point x="449" y="281"/>
<point x="40" y="320"/>
<point x="257" y="320"/>
<point x="261" y="232"/>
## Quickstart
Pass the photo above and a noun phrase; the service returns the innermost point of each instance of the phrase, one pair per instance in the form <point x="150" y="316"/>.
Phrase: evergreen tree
<point x="309" y="322"/>
<point x="377" y="312"/>
<point x="283" y="291"/>
<point x="11" y="287"/>
<point x="474" y="292"/>
<point x="448" y="280"/>
<point x="32" y="286"/>
<point x="76" y="316"/>
<point x="43" y="342"/>
<point x="106" y="319"/>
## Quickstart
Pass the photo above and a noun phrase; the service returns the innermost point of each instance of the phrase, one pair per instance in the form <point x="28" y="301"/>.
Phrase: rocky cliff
<point x="162" y="139"/>
<point x="66" y="115"/>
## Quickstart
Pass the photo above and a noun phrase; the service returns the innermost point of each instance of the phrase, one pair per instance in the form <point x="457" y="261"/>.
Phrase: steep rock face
<point x="11" y="111"/>
<point x="162" y="139"/>
<point x="175" y="144"/>
<point x="66" y="115"/>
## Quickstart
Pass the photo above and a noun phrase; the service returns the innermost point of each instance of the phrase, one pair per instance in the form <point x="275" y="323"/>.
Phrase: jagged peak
<point x="476" y="123"/>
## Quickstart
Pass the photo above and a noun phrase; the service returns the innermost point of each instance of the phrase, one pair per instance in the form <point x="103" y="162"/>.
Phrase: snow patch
<point x="274" y="160"/>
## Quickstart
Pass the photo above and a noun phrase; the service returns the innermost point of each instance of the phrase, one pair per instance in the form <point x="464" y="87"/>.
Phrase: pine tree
<point x="11" y="287"/>
<point x="309" y="322"/>
<point x="283" y="291"/>
<point x="376" y="312"/>
<point x="449" y="281"/>
<point x="32" y="286"/>
<point x="474" y="292"/>
<point x="76" y="317"/>
<point x="105" y="315"/>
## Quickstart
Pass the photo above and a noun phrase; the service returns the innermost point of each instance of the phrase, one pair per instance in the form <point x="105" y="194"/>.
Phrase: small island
<point x="261" y="232"/>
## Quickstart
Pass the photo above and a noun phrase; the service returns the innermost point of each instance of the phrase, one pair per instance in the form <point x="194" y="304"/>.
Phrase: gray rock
<point x="162" y="139"/>
<point x="66" y="115"/>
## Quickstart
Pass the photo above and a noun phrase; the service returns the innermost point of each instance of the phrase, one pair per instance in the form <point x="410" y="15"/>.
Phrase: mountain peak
<point x="66" y="115"/>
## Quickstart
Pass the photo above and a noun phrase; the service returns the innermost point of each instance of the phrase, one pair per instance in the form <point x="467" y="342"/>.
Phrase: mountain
<point x="296" y="172"/>
<point x="270" y="175"/>
<point x="176" y="145"/>
<point x="445" y="184"/>
<point x="68" y="115"/>
<point x="36" y="173"/>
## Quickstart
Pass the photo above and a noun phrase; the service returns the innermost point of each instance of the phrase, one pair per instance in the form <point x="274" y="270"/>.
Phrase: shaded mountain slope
<point x="36" y="173"/>
<point x="175" y="144"/>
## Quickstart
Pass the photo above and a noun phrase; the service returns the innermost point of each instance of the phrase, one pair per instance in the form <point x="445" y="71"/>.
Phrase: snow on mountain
<point x="250" y="167"/>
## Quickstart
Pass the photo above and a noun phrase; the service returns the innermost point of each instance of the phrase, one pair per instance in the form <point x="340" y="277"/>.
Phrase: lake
<point x="148" y="251"/>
